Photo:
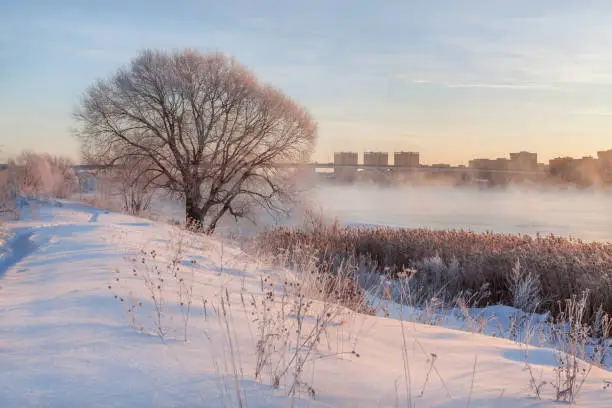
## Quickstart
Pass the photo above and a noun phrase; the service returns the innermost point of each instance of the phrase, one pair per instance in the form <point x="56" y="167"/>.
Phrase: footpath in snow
<point x="87" y="319"/>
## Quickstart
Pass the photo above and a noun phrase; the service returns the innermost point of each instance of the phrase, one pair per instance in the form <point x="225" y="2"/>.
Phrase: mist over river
<point x="584" y="214"/>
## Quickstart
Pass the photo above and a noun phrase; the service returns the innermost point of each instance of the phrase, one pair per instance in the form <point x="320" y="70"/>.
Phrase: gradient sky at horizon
<point x="452" y="79"/>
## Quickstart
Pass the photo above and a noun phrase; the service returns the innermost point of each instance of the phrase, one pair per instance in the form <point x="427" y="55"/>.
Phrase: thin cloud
<point x="485" y="85"/>
<point x="557" y="48"/>
<point x="502" y="86"/>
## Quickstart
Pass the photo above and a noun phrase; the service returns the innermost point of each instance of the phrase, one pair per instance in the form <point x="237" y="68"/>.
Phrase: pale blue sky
<point x="452" y="79"/>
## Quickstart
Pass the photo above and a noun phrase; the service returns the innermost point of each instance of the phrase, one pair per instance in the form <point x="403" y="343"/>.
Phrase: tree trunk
<point x="193" y="214"/>
<point x="210" y="229"/>
<point x="213" y="223"/>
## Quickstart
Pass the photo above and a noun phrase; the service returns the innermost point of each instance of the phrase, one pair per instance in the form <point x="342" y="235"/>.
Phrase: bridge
<point x="435" y="169"/>
<point x="384" y="168"/>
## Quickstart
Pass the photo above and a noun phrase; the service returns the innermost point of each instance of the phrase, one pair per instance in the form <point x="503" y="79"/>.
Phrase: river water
<point x="584" y="214"/>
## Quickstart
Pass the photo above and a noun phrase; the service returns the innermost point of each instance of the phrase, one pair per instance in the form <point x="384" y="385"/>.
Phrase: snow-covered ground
<point x="78" y="328"/>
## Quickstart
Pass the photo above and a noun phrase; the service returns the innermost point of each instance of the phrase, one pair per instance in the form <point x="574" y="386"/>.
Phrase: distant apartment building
<point x="480" y="164"/>
<point x="489" y="164"/>
<point x="605" y="159"/>
<point x="376" y="158"/>
<point x="524" y="161"/>
<point x="588" y="171"/>
<point x="560" y="165"/>
<point x="501" y="164"/>
<point x="588" y="162"/>
<point x="345" y="159"/>
<point x="406" y="159"/>
<point x="584" y="171"/>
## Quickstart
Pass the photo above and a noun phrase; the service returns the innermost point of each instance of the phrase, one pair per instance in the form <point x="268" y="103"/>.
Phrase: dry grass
<point x="294" y="319"/>
<point x="574" y="355"/>
<point x="535" y="272"/>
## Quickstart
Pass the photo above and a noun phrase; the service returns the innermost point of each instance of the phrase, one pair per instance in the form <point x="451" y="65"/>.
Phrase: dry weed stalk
<point x="168" y="281"/>
<point x="571" y="336"/>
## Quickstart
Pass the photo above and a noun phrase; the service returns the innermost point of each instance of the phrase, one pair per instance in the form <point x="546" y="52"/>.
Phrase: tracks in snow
<point x="27" y="241"/>
<point x="17" y="249"/>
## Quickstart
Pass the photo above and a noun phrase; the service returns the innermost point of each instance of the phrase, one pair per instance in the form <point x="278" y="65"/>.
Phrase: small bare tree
<point x="64" y="179"/>
<point x="27" y="173"/>
<point x="5" y="192"/>
<point x="206" y="127"/>
<point x="135" y="188"/>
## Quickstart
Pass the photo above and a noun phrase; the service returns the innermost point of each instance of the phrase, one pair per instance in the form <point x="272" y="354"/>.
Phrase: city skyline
<point x="453" y="82"/>
<point x="392" y="156"/>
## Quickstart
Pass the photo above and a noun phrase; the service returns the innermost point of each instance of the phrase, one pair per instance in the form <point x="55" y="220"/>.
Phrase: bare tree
<point x="4" y="188"/>
<point x="5" y="192"/>
<point x="64" y="179"/>
<point x="206" y="127"/>
<point x="135" y="188"/>
<point x="32" y="175"/>
<point x="27" y="173"/>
